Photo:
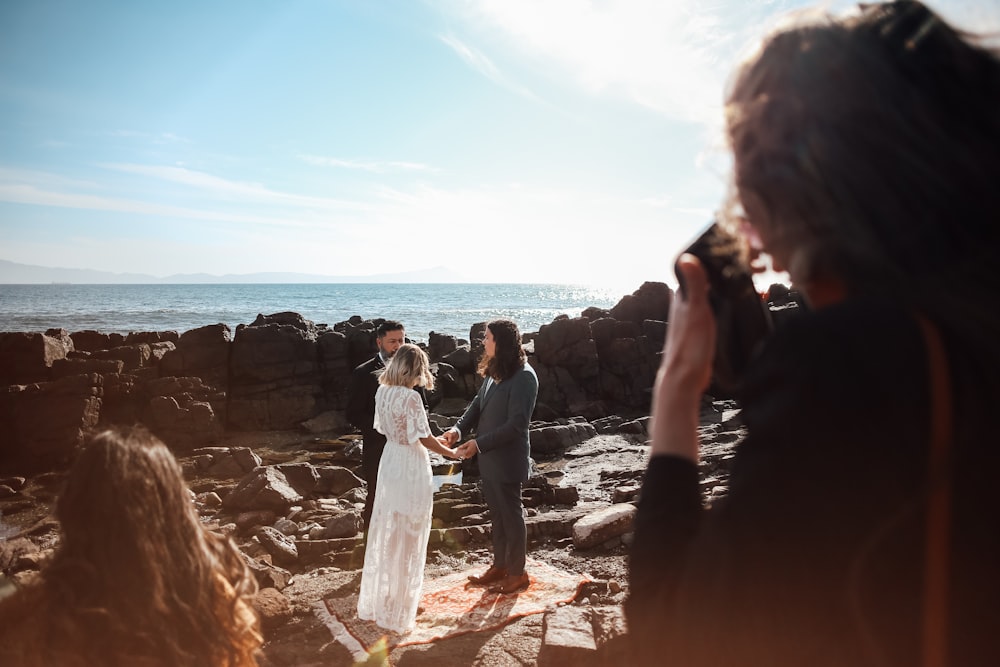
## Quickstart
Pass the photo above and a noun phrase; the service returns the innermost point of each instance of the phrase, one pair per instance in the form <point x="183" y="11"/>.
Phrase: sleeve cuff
<point x="671" y="481"/>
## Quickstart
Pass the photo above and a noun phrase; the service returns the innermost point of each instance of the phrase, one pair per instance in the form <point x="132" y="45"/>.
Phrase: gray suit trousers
<point x="507" y="515"/>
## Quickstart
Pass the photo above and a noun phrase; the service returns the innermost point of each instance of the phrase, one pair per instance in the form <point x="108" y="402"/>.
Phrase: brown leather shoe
<point x="490" y="576"/>
<point x="514" y="583"/>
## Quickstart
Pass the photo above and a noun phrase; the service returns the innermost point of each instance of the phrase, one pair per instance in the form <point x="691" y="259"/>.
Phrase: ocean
<point x="422" y="308"/>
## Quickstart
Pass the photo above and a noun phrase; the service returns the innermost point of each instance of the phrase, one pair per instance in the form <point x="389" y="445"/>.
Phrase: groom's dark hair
<point x="387" y="326"/>
<point x="508" y="357"/>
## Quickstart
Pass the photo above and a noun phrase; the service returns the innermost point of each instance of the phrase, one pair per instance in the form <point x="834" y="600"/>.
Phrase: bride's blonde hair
<point x="409" y="364"/>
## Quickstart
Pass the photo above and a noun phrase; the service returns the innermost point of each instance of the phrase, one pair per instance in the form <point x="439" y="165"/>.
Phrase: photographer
<point x="861" y="527"/>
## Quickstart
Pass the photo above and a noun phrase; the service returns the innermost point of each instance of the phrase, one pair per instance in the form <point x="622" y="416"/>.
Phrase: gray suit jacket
<point x="500" y="413"/>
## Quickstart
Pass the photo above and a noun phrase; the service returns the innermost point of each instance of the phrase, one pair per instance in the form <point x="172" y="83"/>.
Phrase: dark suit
<point x="500" y="413"/>
<point x="360" y="412"/>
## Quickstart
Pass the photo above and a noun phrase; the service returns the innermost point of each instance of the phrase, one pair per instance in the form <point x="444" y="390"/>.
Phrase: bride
<point x="393" y="573"/>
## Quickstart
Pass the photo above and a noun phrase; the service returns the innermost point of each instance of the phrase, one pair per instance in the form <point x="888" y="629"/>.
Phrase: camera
<point x="741" y="316"/>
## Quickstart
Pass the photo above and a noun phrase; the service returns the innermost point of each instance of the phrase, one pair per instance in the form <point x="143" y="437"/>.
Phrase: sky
<point x="569" y="141"/>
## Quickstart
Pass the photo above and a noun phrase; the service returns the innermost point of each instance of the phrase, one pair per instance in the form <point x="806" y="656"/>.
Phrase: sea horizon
<point x="448" y="308"/>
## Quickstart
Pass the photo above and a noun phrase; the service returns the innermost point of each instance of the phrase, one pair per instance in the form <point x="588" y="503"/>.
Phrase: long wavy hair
<point x="508" y="357"/>
<point x="137" y="578"/>
<point x="409" y="365"/>
<point x="867" y="149"/>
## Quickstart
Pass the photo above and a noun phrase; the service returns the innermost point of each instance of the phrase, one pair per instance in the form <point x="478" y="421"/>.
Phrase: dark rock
<point x="248" y="522"/>
<point x="636" y="426"/>
<point x="201" y="352"/>
<point x="567" y="343"/>
<point x="331" y="420"/>
<point x="151" y="337"/>
<point x="628" y="368"/>
<point x="608" y="424"/>
<point x="334" y="369"/>
<point x="15" y="483"/>
<point x="208" y="500"/>
<point x="26" y="358"/>
<point x="604" y="524"/>
<point x="286" y="526"/>
<point x="650" y="302"/>
<point x="311" y="550"/>
<point x="461" y="359"/>
<point x="302" y="477"/>
<point x="76" y="366"/>
<point x="567" y="638"/>
<point x="281" y="547"/>
<point x="624" y="494"/>
<point x="268" y="575"/>
<point x="132" y="356"/>
<point x="274" y="377"/>
<point x="13" y="551"/>
<point x="273" y="608"/>
<point x="340" y="525"/>
<point x="44" y="423"/>
<point x="264" y="488"/>
<point x="91" y="341"/>
<point x="285" y="319"/>
<point x="655" y="332"/>
<point x="336" y="481"/>
<point x="450" y="510"/>
<point x="183" y="427"/>
<point x="594" y="313"/>
<point x="230" y="461"/>
<point x="552" y="440"/>
<point x="440" y="345"/>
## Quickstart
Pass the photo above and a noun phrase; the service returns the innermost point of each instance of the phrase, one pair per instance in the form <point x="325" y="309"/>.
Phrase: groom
<point x="360" y="410"/>
<point x="500" y="414"/>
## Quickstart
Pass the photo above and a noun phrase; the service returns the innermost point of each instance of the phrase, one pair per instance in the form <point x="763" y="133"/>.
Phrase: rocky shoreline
<point x="256" y="420"/>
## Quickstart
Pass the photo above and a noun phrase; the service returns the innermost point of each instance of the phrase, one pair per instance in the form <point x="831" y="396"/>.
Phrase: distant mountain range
<point x="12" y="273"/>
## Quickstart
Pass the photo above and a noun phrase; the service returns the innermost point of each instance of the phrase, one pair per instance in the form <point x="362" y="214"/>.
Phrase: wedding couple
<point x="400" y="525"/>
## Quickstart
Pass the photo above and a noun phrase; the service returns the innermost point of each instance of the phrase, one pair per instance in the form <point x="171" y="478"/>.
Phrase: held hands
<point x="468" y="449"/>
<point x="463" y="451"/>
<point x="446" y="441"/>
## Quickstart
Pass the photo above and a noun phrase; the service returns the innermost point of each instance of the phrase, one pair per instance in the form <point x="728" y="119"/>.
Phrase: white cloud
<point x="159" y="138"/>
<point x="482" y="64"/>
<point x="225" y="188"/>
<point x="518" y="233"/>
<point x="372" y="166"/>
<point x="668" y="56"/>
<point x="502" y="233"/>
<point x="21" y="193"/>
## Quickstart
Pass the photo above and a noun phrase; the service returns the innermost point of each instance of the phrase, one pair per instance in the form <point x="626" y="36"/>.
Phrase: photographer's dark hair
<point x="387" y="326"/>
<point x="888" y="173"/>
<point x="887" y="177"/>
<point x="509" y="356"/>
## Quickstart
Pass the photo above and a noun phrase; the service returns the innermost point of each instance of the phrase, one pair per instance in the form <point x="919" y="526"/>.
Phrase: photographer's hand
<point x="686" y="366"/>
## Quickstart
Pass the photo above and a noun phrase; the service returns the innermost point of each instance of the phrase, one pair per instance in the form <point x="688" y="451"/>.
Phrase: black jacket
<point x="815" y="557"/>
<point x="360" y="410"/>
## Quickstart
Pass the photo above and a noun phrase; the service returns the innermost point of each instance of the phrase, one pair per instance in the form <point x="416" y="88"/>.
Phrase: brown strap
<point x="935" y="622"/>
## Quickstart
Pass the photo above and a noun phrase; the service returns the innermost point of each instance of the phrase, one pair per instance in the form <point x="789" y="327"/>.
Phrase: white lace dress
<point x="401" y="518"/>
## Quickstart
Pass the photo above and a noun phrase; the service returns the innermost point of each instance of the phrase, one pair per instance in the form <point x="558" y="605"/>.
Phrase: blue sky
<point x="511" y="140"/>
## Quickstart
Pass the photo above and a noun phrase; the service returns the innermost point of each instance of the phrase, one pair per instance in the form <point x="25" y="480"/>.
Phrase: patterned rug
<point x="452" y="607"/>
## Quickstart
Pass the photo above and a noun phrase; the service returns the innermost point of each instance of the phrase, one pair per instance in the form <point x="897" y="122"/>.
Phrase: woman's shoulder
<point x="527" y="373"/>
<point x="854" y="330"/>
<point x="23" y="617"/>
<point x="849" y="356"/>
